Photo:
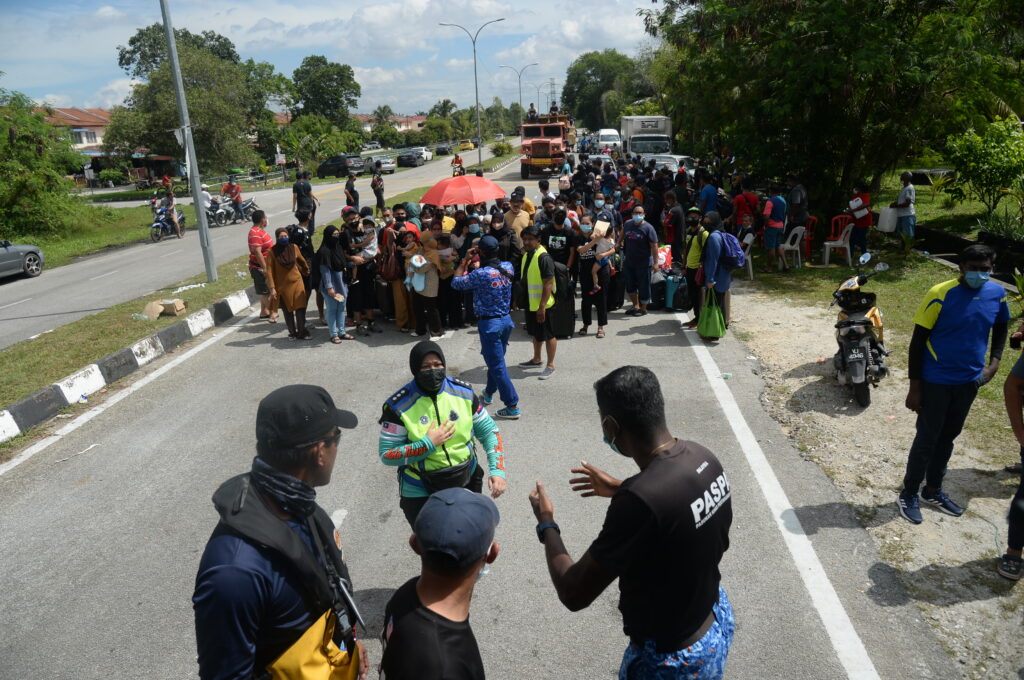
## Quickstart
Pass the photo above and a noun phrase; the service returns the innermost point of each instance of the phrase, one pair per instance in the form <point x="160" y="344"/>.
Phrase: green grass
<point x="491" y="162"/>
<point x="106" y="228"/>
<point x="900" y="291"/>
<point x="33" y="364"/>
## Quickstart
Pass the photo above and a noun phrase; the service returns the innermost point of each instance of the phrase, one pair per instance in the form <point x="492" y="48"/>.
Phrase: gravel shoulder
<point x="947" y="565"/>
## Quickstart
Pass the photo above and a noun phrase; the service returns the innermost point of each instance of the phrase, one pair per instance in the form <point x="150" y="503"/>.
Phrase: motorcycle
<point x="219" y="213"/>
<point x="860" y="359"/>
<point x="458" y="171"/>
<point x="248" y="208"/>
<point x="164" y="226"/>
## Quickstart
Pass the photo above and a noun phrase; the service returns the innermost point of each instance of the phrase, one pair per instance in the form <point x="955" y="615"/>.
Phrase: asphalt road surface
<point x="101" y="531"/>
<point x="29" y="307"/>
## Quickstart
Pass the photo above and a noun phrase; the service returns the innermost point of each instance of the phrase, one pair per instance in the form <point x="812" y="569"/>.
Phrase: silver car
<point x="387" y="164"/>
<point x="27" y="260"/>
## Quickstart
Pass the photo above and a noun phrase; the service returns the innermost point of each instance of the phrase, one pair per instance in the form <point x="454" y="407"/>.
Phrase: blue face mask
<point x="638" y="219"/>
<point x="975" y="280"/>
<point x="611" y="444"/>
<point x="283" y="241"/>
<point x="617" y="194"/>
<point x="566" y="223"/>
<point x="474" y="229"/>
<point x="598" y="204"/>
<point x="586" y="228"/>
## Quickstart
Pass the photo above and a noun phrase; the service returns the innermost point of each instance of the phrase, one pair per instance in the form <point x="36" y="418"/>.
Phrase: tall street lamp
<point x="519" y="75"/>
<point x="538" y="92"/>
<point x="476" y="87"/>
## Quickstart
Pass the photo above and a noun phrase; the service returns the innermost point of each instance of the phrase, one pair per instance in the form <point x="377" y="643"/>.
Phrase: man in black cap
<point x="273" y="567"/>
<point x="426" y="622"/>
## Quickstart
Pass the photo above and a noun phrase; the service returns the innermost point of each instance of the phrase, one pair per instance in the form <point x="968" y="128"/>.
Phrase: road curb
<point x="503" y="164"/>
<point x="34" y="410"/>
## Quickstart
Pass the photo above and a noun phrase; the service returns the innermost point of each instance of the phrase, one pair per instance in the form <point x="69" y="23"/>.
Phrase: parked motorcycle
<point x="219" y="213"/>
<point x="860" y="359"/>
<point x="248" y="208"/>
<point x="164" y="226"/>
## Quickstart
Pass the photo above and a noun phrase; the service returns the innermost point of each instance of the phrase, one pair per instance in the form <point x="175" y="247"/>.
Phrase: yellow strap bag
<point x="315" y="656"/>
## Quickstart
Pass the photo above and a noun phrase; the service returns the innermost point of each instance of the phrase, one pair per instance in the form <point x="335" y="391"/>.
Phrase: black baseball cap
<point x="297" y="414"/>
<point x="458" y="523"/>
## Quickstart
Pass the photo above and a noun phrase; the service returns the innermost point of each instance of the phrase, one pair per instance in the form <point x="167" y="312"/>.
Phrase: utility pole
<point x="190" y="148"/>
<point x="476" y="87"/>
<point x="519" y="75"/>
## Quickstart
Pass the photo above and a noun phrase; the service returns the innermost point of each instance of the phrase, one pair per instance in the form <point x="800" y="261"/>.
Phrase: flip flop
<point x="347" y="336"/>
<point x="264" y="316"/>
<point x="583" y="331"/>
<point x="336" y="340"/>
<point x="600" y="333"/>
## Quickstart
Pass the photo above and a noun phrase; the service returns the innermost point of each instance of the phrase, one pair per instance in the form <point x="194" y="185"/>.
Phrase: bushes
<point x="501" y="149"/>
<point x="115" y="177"/>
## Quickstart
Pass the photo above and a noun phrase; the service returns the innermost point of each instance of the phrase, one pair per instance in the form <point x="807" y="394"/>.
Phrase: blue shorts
<point x="773" y="237"/>
<point x="703" y="660"/>
<point x="906" y="225"/>
<point x="603" y="262"/>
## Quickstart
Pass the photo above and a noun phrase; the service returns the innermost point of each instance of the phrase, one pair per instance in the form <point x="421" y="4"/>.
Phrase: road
<point x="102" y="530"/>
<point x="29" y="307"/>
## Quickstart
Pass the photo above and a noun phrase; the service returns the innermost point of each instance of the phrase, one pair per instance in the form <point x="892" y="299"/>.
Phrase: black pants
<point x="1015" y="539"/>
<point x="694" y="291"/>
<point x="425" y="310"/>
<point x="944" y="409"/>
<point x="599" y="299"/>
<point x="449" y="303"/>
<point x="412" y="506"/>
<point x="617" y="291"/>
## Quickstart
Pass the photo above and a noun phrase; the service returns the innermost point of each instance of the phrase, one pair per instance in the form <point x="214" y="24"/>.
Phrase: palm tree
<point x="443" y="109"/>
<point x="382" y="115"/>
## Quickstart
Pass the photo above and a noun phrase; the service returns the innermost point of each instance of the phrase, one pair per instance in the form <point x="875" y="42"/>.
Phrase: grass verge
<point x="491" y="162"/>
<point x="33" y="364"/>
<point x="900" y="291"/>
<point x="107" y="228"/>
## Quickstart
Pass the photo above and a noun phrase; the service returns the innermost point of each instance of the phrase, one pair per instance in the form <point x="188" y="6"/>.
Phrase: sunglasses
<point x="332" y="439"/>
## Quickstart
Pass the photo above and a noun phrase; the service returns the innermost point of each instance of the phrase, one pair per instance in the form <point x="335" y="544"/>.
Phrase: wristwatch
<point x="544" y="526"/>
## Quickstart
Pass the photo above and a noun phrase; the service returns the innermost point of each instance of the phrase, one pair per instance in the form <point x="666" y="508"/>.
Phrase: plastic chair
<point x="792" y="244"/>
<point x="750" y="263"/>
<point x="839" y="223"/>
<point x="842" y="243"/>
<point x="812" y="224"/>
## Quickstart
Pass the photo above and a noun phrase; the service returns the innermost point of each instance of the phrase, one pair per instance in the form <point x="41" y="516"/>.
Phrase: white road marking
<point x="173" y="252"/>
<point x="103" y="276"/>
<point x="15" y="303"/>
<point x="338" y="516"/>
<point x="81" y="420"/>
<point x="845" y="640"/>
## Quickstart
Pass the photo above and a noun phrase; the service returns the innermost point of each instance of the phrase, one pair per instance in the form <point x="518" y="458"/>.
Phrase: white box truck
<point x="647" y="135"/>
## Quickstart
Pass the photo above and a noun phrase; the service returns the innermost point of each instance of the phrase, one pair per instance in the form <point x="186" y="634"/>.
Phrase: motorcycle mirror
<point x="865" y="258"/>
<point x="881" y="267"/>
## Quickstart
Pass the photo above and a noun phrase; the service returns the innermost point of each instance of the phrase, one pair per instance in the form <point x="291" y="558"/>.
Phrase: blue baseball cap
<point x="458" y="523"/>
<point x="488" y="244"/>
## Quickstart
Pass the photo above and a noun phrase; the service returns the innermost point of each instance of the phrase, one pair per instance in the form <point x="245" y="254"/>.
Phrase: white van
<point x="608" y="137"/>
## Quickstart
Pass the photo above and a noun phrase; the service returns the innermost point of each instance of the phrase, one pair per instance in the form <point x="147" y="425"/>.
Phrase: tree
<point x="386" y="134"/>
<point x="987" y="165"/>
<point x="589" y="77"/>
<point x="438" y="130"/>
<point x="217" y="109"/>
<point x="443" y="109"/>
<point x="147" y="49"/>
<point x="325" y="88"/>
<point x="34" y="159"/>
<point x="382" y="115"/>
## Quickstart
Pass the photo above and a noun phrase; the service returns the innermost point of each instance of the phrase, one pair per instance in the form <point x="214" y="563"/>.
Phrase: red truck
<point x="546" y="144"/>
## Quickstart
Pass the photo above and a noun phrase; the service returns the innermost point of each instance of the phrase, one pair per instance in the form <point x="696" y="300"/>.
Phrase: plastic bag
<point x="712" y="322"/>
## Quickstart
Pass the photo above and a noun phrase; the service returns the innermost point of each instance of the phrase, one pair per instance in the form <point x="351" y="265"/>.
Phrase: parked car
<point x="340" y="166"/>
<point x="443" y="149"/>
<point x="371" y="146"/>
<point x="387" y="164"/>
<point x="27" y="260"/>
<point x="411" y="158"/>
<point x="664" y="161"/>
<point x="499" y="137"/>
<point x="477" y="141"/>
<point x="424" y="152"/>
<point x="466" y="145"/>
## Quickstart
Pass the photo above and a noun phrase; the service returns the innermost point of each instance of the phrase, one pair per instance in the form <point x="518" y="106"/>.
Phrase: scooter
<point x="219" y="213"/>
<point x="163" y="226"/>
<point x="860" y="359"/>
<point x="458" y="171"/>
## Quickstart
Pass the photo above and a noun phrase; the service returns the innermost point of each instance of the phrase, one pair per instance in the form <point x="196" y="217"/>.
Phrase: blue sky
<point x="65" y="52"/>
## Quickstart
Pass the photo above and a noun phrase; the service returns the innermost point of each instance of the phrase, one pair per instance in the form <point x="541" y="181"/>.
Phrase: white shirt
<point x="907" y="193"/>
<point x="207" y="198"/>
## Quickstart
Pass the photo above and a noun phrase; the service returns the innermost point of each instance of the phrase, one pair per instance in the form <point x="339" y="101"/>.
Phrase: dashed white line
<point x="15" y="303"/>
<point x="102" y="276"/>
<point x="845" y="640"/>
<point x="173" y="252"/>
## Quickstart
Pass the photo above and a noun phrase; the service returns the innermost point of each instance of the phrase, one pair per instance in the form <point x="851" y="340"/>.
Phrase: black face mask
<point x="692" y="222"/>
<point x="430" y="380"/>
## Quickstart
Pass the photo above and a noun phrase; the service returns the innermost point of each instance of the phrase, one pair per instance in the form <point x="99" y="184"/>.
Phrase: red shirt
<point x="259" y="238"/>
<point x="746" y="203"/>
<point x="863" y="222"/>
<point x="233" y="192"/>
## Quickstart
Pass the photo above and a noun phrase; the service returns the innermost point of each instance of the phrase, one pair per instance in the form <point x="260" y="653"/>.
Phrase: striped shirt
<point x="259" y="238"/>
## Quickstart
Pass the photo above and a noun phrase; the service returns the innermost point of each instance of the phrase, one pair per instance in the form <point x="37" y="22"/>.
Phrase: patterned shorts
<point x="703" y="660"/>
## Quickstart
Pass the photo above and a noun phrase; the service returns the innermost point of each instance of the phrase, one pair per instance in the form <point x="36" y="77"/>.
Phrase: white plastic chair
<point x="794" y="244"/>
<point x="750" y="263"/>
<point x="842" y="244"/>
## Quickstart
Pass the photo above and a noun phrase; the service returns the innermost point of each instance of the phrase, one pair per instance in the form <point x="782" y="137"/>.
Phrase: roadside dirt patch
<point x="946" y="564"/>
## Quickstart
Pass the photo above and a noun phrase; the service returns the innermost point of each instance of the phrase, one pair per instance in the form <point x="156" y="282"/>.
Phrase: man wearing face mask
<point x="663" y="537"/>
<point x="603" y="212"/>
<point x="946" y="367"/>
<point x="427" y="432"/>
<point x="639" y="245"/>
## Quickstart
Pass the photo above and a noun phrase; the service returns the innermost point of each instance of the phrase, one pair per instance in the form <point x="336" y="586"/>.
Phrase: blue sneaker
<point x="943" y="502"/>
<point x="910" y="507"/>
<point x="508" y="413"/>
<point x="485" y="398"/>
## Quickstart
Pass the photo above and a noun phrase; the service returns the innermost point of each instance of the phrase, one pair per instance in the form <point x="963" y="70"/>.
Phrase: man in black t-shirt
<point x="303" y="198"/>
<point x="559" y="240"/>
<point x="664" y="535"/>
<point x="454" y="537"/>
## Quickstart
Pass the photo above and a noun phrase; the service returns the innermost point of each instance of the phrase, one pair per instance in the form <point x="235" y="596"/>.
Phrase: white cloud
<point x="112" y="94"/>
<point x="454" y="64"/>
<point x="57" y="100"/>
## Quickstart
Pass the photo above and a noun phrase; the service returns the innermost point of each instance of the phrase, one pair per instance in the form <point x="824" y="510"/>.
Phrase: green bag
<point x="712" y="322"/>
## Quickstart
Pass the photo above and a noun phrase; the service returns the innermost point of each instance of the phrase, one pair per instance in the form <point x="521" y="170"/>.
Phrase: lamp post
<point x="476" y="87"/>
<point x="519" y="75"/>
<point x="537" y="87"/>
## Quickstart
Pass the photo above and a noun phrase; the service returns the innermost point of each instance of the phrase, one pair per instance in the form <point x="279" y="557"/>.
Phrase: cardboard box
<point x="152" y="310"/>
<point x="175" y="307"/>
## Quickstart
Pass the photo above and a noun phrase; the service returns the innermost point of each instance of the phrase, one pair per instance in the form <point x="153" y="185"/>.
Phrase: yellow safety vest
<point x="535" y="284"/>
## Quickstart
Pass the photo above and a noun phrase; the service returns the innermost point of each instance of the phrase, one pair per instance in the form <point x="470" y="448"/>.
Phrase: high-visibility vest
<point x="419" y="411"/>
<point x="534" y="283"/>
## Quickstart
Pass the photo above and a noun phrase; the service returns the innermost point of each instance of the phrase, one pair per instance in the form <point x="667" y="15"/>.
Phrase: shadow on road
<point x="260" y="332"/>
<point x="938" y="584"/>
<point x="838" y="515"/>
<point x="371" y="603"/>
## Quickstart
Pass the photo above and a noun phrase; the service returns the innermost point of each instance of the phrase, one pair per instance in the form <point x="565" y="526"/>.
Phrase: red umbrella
<point x="463" y="190"/>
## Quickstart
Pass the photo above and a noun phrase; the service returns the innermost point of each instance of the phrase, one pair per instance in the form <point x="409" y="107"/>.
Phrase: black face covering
<point x="294" y="496"/>
<point x="429" y="380"/>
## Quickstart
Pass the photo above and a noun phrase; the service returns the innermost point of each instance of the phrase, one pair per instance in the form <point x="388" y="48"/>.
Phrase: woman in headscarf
<point x="286" y="271"/>
<point x="424" y="265"/>
<point x="428" y="428"/>
<point x="330" y="260"/>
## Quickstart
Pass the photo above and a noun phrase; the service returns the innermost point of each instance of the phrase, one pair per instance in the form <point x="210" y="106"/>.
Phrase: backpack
<point x="732" y="256"/>
<point x="388" y="264"/>
<point x="724" y="206"/>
